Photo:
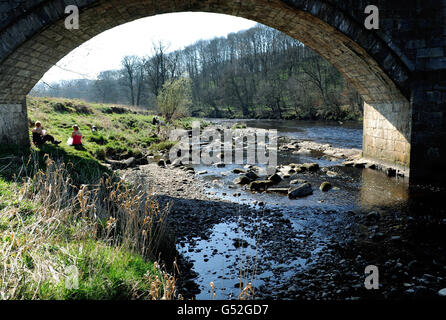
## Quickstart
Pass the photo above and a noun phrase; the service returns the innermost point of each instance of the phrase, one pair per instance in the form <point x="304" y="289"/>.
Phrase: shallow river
<point x="301" y="229"/>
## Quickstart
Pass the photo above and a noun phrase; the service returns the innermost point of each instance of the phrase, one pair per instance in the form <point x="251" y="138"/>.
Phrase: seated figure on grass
<point x="76" y="137"/>
<point x="40" y="136"/>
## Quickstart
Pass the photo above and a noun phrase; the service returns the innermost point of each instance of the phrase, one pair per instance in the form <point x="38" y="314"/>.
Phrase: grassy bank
<point x="69" y="228"/>
<point x="121" y="131"/>
<point x="51" y="230"/>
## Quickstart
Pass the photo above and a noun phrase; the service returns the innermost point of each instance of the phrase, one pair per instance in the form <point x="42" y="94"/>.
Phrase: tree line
<point x="256" y="73"/>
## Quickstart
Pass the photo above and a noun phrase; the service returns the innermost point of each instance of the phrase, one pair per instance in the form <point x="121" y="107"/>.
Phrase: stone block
<point x="13" y="124"/>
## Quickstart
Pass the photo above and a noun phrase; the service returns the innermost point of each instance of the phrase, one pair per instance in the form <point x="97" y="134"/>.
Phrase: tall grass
<point x="110" y="232"/>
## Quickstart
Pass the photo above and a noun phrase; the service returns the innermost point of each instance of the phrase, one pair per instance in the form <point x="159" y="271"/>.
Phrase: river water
<point x="357" y="187"/>
<point x="345" y="135"/>
<point x="288" y="236"/>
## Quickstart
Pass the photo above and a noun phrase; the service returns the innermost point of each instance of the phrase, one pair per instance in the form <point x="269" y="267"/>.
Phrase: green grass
<point x="118" y="133"/>
<point x="123" y="131"/>
<point x="41" y="242"/>
<point x="5" y="189"/>
<point x="239" y="126"/>
<point x="40" y="238"/>
<point x="186" y="123"/>
<point x="104" y="272"/>
<point x="164" y="145"/>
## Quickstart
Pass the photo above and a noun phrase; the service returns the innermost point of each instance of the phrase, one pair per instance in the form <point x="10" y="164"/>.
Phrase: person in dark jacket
<point x="40" y="136"/>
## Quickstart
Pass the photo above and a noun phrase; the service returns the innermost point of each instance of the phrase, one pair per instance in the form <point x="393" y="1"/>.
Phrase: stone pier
<point x="14" y="124"/>
<point x="387" y="134"/>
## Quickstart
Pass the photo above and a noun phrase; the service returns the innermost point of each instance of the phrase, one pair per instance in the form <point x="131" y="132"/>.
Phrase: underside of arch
<point x="37" y="39"/>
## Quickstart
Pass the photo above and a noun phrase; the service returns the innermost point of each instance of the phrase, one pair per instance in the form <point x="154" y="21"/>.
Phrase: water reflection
<point x="378" y="190"/>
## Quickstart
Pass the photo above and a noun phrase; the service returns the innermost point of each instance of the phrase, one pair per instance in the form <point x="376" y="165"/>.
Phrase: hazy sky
<point x="105" y="51"/>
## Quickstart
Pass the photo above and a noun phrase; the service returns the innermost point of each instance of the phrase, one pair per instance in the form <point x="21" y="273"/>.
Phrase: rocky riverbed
<point x="257" y="243"/>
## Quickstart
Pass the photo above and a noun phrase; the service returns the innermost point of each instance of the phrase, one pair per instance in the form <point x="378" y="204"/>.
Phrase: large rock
<point x="237" y="242"/>
<point x="122" y="164"/>
<point x="219" y="165"/>
<point x="130" y="162"/>
<point x="360" y="164"/>
<point x="252" y="175"/>
<point x="189" y="170"/>
<point x="331" y="173"/>
<point x="391" y="172"/>
<point x="162" y="163"/>
<point x="275" y="178"/>
<point x="302" y="151"/>
<point x="242" y="180"/>
<point x="373" y="216"/>
<point x="298" y="181"/>
<point x="238" y="171"/>
<point x="325" y="186"/>
<point x="299" y="169"/>
<point x="260" y="185"/>
<point x="177" y="163"/>
<point x="252" y="167"/>
<point x="311" y="166"/>
<point x="349" y="163"/>
<point x="291" y="146"/>
<point x="277" y="190"/>
<point x="300" y="191"/>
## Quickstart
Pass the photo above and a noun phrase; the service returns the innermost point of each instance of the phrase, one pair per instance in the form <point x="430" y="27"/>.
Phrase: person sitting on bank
<point x="77" y="136"/>
<point x="40" y="136"/>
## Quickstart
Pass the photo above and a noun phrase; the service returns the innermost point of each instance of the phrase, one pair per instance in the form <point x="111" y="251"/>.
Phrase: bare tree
<point x="256" y="72"/>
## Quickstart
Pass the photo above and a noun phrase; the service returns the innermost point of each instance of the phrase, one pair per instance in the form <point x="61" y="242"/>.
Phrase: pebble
<point x="373" y="216"/>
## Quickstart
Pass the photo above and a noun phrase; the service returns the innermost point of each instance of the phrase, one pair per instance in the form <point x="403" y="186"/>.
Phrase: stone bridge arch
<point x="395" y="69"/>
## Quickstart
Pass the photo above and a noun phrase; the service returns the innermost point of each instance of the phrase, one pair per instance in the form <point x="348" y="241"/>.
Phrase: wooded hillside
<point x="257" y="73"/>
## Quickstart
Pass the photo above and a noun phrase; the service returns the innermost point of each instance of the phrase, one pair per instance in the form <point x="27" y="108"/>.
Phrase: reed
<point x="109" y="231"/>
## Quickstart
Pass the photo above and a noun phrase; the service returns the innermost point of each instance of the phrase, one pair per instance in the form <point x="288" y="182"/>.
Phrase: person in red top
<point x="77" y="136"/>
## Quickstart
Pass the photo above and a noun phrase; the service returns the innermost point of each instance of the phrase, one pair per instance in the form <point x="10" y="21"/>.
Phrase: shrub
<point x="175" y="99"/>
<point x="118" y="110"/>
<point x="99" y="139"/>
<point x="82" y="108"/>
<point x="61" y="107"/>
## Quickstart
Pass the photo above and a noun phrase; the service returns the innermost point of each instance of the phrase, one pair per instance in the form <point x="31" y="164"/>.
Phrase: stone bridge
<point x="399" y="69"/>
